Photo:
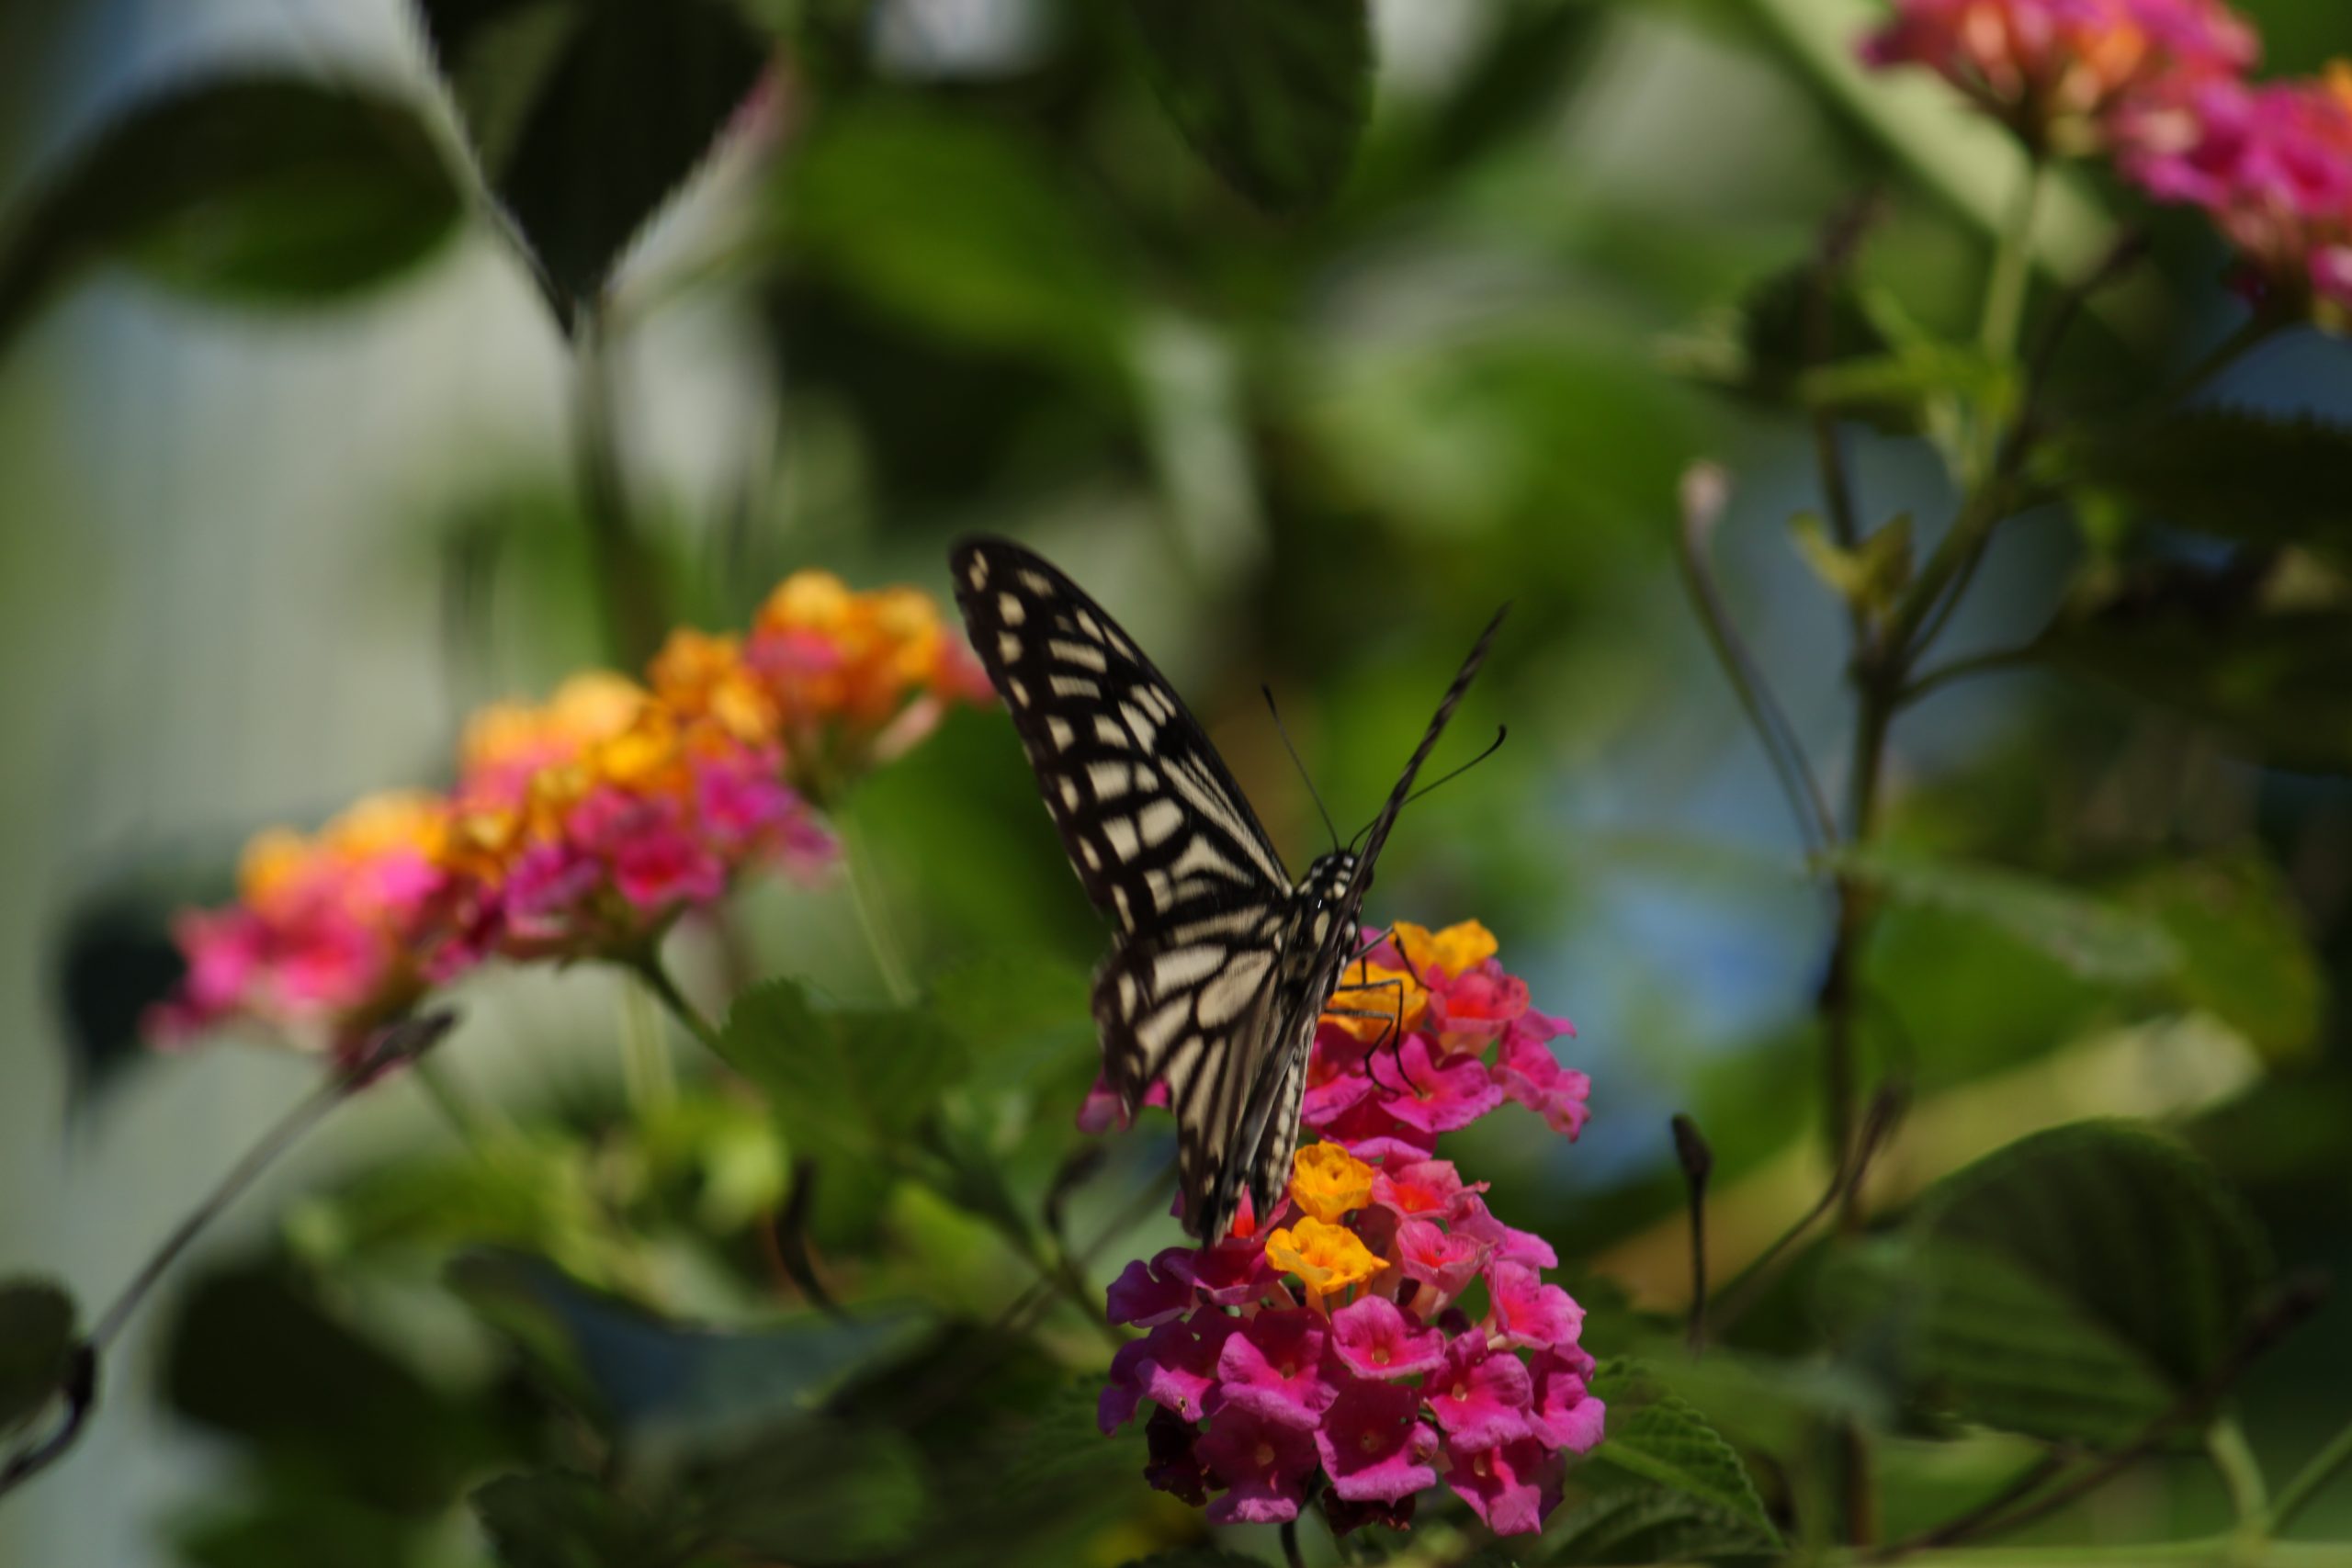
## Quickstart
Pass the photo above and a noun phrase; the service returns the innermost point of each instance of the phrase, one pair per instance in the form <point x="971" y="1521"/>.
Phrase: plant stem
<point x="406" y="1042"/>
<point x="2255" y="329"/>
<point x="889" y="959"/>
<point x="647" y="1071"/>
<point x="2005" y="285"/>
<point x="2310" y="1481"/>
<point x="648" y="967"/>
<point x="2241" y="1471"/>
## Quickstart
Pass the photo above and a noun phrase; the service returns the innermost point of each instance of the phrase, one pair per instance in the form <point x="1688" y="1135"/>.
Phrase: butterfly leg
<point x="1393" y="1019"/>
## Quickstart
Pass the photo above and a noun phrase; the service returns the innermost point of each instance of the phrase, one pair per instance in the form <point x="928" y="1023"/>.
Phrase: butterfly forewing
<point x="1220" y="966"/>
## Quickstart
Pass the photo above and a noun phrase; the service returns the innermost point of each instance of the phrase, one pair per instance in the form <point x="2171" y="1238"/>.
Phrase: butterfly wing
<point x="1164" y="842"/>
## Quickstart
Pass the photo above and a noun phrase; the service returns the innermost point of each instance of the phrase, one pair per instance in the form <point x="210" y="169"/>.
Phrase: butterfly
<point x="1221" y="963"/>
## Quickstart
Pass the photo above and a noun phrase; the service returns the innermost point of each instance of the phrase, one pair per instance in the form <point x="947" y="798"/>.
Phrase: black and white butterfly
<point x="1221" y="963"/>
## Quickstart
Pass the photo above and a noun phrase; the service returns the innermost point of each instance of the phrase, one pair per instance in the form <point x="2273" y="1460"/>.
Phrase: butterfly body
<point x="1221" y="963"/>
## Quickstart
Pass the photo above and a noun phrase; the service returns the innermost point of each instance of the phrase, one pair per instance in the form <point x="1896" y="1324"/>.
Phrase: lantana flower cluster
<point x="579" y="827"/>
<point x="2163" y="87"/>
<point x="1380" y="1332"/>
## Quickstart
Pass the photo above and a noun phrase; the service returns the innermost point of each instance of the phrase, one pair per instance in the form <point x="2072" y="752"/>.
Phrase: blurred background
<point x="266" y="537"/>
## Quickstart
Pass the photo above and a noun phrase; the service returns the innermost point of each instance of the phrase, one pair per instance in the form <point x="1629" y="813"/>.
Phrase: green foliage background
<point x="357" y="368"/>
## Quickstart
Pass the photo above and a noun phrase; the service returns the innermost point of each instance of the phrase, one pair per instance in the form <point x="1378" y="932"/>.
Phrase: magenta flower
<point x="1510" y="1486"/>
<point x="1367" y="1131"/>
<point x="1441" y="1263"/>
<point x="1373" y="1444"/>
<point x="1263" y="1465"/>
<point x="1478" y="1396"/>
<point x="1525" y="1311"/>
<point x="1501" y="1242"/>
<point x="1423" y="1189"/>
<point x="657" y="860"/>
<point x="1375" y="1340"/>
<point x="1472" y="1011"/>
<point x="1530" y="1074"/>
<point x="1436" y="1099"/>
<point x="1173" y="1465"/>
<point x="1336" y="1075"/>
<point x="1562" y="1411"/>
<point x="1274" y="1366"/>
<point x="1148" y="1294"/>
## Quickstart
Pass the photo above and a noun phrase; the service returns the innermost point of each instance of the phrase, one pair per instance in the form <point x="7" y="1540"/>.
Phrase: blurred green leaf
<point x="1962" y="1331"/>
<point x="587" y="116"/>
<point x="255" y="188"/>
<point x="1661" y="1437"/>
<point x="846" y="1082"/>
<point x="36" y="1348"/>
<point x="559" y="1519"/>
<point x="959" y="226"/>
<point x="2092" y="937"/>
<point x="250" y="1356"/>
<point x="1626" y="1519"/>
<point x="1196" y="1557"/>
<point x="1022" y="1014"/>
<point x="815" y="1493"/>
<point x="667" y="1383"/>
<point x="2273" y="682"/>
<point x="2245" y="956"/>
<point x="295" y="1524"/>
<point x="2128" y="1225"/>
<point x="1273" y="97"/>
<point x="1784" y="328"/>
<point x="2250" y="478"/>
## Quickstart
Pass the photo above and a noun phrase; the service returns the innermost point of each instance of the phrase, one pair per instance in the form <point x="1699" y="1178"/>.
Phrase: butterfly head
<point x="1330" y="895"/>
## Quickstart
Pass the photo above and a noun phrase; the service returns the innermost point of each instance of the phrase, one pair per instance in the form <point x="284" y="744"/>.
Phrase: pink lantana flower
<point x="1510" y="1486"/>
<point x="1375" y="1340"/>
<point x="1481" y="1398"/>
<point x="1275" y="1365"/>
<point x="1262" y="1464"/>
<point x="1373" y="1444"/>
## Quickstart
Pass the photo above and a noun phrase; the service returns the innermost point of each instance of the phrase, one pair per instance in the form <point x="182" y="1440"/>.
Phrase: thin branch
<point x="1698" y="1162"/>
<point x="1704" y="492"/>
<point x="1961" y="669"/>
<point x="647" y="966"/>
<point x="1743" y="1290"/>
<point x="2289" y="1309"/>
<point x="2310" y="1481"/>
<point x="393" y="1046"/>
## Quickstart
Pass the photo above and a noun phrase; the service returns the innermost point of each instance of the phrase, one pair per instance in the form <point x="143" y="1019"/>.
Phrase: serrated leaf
<point x="963" y="228"/>
<point x="2274" y="682"/>
<point x="2094" y="938"/>
<point x="670" y="1383"/>
<point x="2250" y="478"/>
<point x="1628" y="1519"/>
<point x="587" y="116"/>
<point x="1963" y="1332"/>
<point x="2245" y="956"/>
<point x="847" y="1082"/>
<point x="1273" y="98"/>
<point x="256" y="188"/>
<point x="36" y="1348"/>
<point x="1660" y="1437"/>
<point x="2128" y="1225"/>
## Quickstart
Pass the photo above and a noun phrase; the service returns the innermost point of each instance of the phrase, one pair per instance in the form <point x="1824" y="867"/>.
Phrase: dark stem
<point x="399" y="1043"/>
<point x="790" y="1234"/>
<point x="1961" y="669"/>
<point x="1703" y="494"/>
<point x="647" y="966"/>
<point x="1289" y="1544"/>
<point x="1698" y="1162"/>
<point x="2288" y="1310"/>
<point x="1747" y="1288"/>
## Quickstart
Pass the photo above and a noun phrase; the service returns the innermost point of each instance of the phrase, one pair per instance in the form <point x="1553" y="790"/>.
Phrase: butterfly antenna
<point x="1329" y="827"/>
<point x="1502" y="733"/>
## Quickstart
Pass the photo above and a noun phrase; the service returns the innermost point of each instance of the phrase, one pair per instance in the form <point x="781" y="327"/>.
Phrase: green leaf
<point x="255" y="188"/>
<point x="1625" y="1518"/>
<point x="2274" y="680"/>
<point x="1658" y="1437"/>
<point x="1273" y="97"/>
<point x="2250" y="478"/>
<point x="2129" y="1226"/>
<point x="667" y="1383"/>
<point x="1963" y="1332"/>
<point x="36" y="1348"/>
<point x="815" y="1493"/>
<point x="559" y="1519"/>
<point x="959" y="226"/>
<point x="845" y="1082"/>
<point x="2094" y="938"/>
<point x="1022" y="1014"/>
<point x="1196" y="1557"/>
<point x="586" y="116"/>
<point x="2245" y="956"/>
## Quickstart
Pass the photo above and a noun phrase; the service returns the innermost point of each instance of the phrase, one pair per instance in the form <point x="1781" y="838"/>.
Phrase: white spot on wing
<point x="1085" y="655"/>
<point x="1107" y="730"/>
<point x="1141" y="728"/>
<point x="1058" y="727"/>
<point x="979" y="575"/>
<point x="1009" y="607"/>
<point x="1008" y="647"/>
<point x="1108" y="780"/>
<point x="1070" y="795"/>
<point x="1181" y="966"/>
<point x="1035" y="582"/>
<point x="1020" y="692"/>
<point x="1159" y="1029"/>
<point x="1073" y="686"/>
<point x="1121" y="832"/>
<point x="1222" y="999"/>
<point x="1159" y="819"/>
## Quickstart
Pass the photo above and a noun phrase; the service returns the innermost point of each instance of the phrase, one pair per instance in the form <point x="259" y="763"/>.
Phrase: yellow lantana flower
<point x="1326" y="1258"/>
<point x="1378" y="1002"/>
<point x="1327" y="1181"/>
<point x="1456" y="950"/>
